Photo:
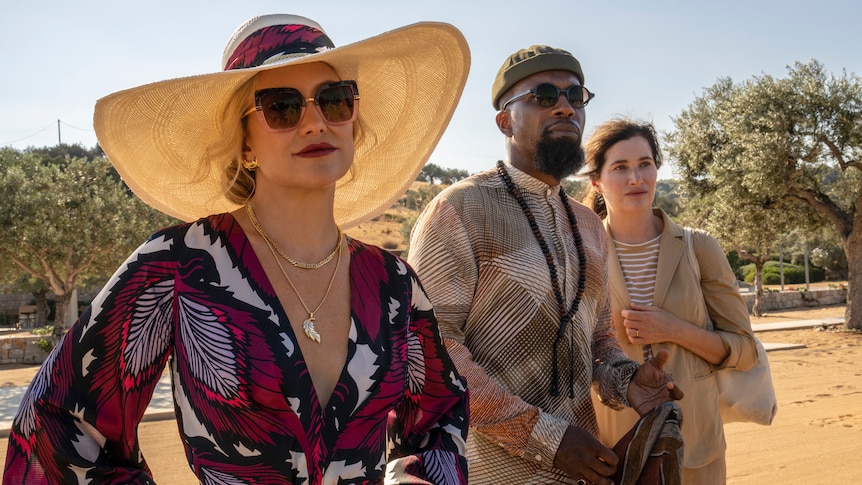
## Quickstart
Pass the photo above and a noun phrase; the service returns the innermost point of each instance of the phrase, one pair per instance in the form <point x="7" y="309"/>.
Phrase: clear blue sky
<point x="643" y="59"/>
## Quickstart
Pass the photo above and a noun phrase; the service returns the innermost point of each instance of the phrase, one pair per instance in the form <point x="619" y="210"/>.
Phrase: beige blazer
<point x="678" y="291"/>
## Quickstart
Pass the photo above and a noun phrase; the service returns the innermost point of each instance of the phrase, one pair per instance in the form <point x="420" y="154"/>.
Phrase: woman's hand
<point x="646" y="324"/>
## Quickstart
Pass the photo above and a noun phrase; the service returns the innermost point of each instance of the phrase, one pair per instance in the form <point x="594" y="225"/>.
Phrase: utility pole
<point x="59" y="141"/>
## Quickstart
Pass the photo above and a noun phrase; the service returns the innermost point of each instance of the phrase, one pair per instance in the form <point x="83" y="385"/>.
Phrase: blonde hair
<point x="237" y="181"/>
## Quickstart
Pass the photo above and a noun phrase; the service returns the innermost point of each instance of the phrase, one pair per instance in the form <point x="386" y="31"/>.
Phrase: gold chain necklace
<point x="295" y="263"/>
<point x="308" y="324"/>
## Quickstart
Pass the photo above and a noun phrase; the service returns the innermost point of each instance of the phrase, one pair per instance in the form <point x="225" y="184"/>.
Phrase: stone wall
<point x="9" y="304"/>
<point x="793" y="299"/>
<point x="21" y="349"/>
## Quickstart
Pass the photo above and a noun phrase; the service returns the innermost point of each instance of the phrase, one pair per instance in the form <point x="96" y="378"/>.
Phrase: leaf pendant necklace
<point x="308" y="324"/>
<point x="308" y="328"/>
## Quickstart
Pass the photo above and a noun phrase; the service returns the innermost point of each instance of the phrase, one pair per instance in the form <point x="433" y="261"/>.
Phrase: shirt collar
<point x="529" y="183"/>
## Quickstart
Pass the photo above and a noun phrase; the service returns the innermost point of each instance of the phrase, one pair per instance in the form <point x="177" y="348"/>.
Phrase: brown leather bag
<point x="651" y="452"/>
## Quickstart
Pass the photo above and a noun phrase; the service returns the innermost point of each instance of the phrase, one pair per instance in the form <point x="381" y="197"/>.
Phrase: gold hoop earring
<point x="250" y="165"/>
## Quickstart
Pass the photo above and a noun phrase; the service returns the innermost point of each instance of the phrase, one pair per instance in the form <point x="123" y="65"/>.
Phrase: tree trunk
<point x="62" y="308"/>
<point x="757" y="308"/>
<point x="41" y="298"/>
<point x="853" y="250"/>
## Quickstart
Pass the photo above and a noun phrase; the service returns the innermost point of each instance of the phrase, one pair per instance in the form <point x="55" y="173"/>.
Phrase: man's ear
<point x="504" y="123"/>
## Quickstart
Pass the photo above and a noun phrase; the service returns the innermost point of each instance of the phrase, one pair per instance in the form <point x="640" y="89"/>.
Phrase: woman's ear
<point x="247" y="153"/>
<point x="504" y="123"/>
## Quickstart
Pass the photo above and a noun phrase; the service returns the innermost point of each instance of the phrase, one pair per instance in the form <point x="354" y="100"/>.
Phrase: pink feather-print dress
<point x="196" y="298"/>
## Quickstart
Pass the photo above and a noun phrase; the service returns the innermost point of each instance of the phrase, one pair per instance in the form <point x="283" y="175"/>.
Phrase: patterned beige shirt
<point x="490" y="285"/>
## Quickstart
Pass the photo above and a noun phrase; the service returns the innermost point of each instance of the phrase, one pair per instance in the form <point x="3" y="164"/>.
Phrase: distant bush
<point x="417" y="199"/>
<point x="390" y="244"/>
<point x="45" y="343"/>
<point x="736" y="264"/>
<point x="389" y="217"/>
<point x="793" y="274"/>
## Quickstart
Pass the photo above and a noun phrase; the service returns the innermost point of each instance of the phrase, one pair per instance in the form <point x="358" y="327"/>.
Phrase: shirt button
<point x="538" y="457"/>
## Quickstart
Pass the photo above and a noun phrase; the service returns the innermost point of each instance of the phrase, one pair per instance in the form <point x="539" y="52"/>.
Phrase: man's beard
<point x="559" y="157"/>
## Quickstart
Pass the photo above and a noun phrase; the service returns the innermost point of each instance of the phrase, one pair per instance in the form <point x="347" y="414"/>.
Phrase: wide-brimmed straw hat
<point x="410" y="80"/>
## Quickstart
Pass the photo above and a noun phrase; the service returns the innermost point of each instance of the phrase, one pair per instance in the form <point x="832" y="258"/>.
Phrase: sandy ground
<point x="816" y="436"/>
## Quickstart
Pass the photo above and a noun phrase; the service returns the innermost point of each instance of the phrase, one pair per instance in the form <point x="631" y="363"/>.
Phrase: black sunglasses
<point x="547" y="95"/>
<point x="282" y="108"/>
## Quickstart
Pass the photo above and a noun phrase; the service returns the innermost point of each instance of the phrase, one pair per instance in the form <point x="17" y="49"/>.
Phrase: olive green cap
<point x="529" y="61"/>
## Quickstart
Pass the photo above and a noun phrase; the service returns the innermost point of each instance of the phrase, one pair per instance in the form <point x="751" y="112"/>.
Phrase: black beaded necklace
<point x="565" y="316"/>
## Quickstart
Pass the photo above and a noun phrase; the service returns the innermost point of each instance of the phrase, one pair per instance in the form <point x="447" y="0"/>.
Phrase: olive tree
<point x="752" y="232"/>
<point x="785" y="142"/>
<point x="64" y="217"/>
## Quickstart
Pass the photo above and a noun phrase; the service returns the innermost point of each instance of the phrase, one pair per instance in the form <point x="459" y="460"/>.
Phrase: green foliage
<point x="736" y="264"/>
<point x="389" y="217"/>
<point x="764" y="156"/>
<point x="668" y="197"/>
<point x="416" y="199"/>
<point x="45" y="343"/>
<point x="575" y="187"/>
<point x="824" y="250"/>
<point x="434" y="174"/>
<point x="55" y="155"/>
<point x="65" y="219"/>
<point x="793" y="274"/>
<point x="782" y="144"/>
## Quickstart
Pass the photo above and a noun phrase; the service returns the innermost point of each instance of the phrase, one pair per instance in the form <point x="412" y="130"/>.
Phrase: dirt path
<point x="816" y="436"/>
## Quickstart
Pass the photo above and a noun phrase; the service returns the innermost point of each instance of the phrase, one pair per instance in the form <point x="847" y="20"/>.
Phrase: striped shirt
<point x="639" y="263"/>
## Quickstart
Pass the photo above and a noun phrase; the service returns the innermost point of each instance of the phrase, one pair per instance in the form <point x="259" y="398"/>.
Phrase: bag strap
<point x="692" y="257"/>
<point x="695" y="268"/>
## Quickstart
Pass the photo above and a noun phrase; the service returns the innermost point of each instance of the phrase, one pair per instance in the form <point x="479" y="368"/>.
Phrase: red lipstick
<point x="316" y="150"/>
